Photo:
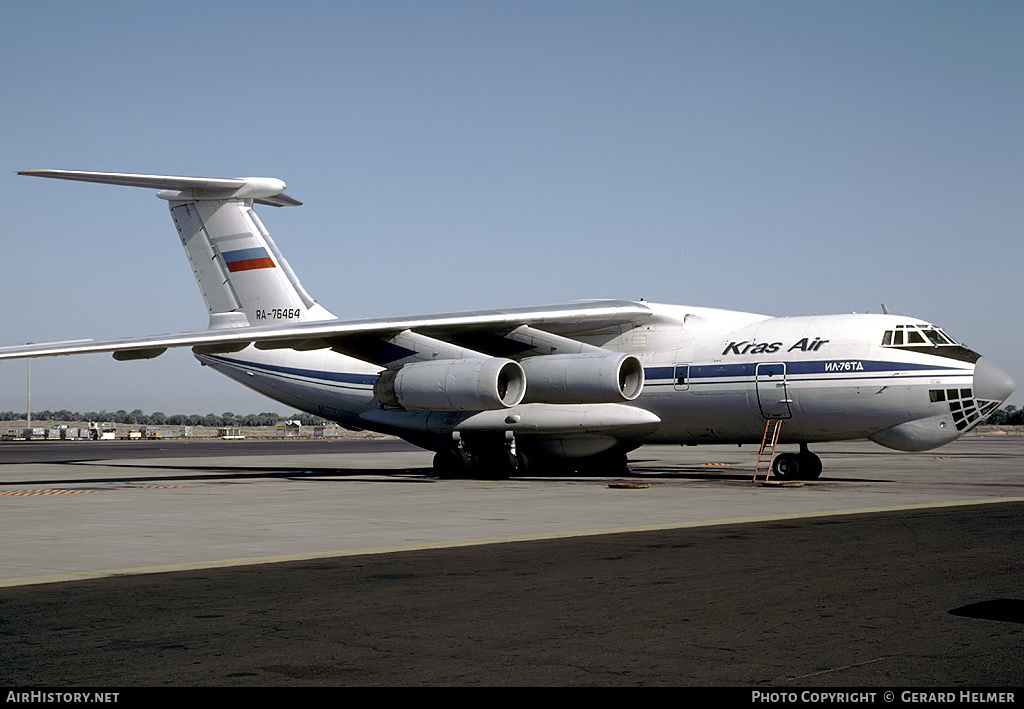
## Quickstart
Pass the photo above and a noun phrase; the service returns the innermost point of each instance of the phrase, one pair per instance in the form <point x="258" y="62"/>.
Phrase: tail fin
<point x="244" y="278"/>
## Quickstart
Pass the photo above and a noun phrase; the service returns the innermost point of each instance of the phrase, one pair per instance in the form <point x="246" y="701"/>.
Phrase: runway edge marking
<point x="427" y="546"/>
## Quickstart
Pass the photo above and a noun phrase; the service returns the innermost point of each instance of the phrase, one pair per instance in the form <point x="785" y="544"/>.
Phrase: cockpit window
<point x="927" y="339"/>
<point x="938" y="337"/>
<point x="914" y="335"/>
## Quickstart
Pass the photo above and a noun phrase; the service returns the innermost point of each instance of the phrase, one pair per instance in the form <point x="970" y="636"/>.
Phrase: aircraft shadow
<point x="402" y="475"/>
<point x="191" y="474"/>
<point x="1008" y="610"/>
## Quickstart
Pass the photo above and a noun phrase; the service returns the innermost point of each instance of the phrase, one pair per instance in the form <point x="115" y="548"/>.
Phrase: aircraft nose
<point x="990" y="382"/>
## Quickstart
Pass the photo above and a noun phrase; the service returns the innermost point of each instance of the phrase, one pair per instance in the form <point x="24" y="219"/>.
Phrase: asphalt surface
<point x="817" y="591"/>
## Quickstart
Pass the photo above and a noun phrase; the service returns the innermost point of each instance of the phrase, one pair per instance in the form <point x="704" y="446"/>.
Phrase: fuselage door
<point x="773" y="390"/>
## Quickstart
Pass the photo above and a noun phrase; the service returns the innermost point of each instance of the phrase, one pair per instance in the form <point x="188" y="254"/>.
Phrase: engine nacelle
<point x="599" y="378"/>
<point x="452" y="385"/>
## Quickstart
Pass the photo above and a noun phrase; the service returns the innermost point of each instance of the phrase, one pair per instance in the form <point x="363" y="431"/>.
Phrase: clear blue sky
<point x="785" y="157"/>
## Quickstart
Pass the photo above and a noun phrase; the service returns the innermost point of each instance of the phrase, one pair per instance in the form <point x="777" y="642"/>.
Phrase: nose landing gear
<point x="797" y="466"/>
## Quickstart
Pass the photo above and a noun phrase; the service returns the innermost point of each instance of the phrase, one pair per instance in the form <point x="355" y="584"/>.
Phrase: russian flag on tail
<point x="248" y="259"/>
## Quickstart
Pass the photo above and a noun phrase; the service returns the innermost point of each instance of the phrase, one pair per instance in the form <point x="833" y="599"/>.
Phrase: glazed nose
<point x="990" y="382"/>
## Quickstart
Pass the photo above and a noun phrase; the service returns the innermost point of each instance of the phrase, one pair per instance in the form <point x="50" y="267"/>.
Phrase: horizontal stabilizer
<point x="264" y="190"/>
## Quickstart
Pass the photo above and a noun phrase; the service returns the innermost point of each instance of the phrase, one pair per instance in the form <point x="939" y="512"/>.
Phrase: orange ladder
<point x="770" y="440"/>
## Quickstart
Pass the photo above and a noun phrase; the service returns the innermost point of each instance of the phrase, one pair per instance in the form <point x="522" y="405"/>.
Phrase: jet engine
<point x="452" y="385"/>
<point x="592" y="378"/>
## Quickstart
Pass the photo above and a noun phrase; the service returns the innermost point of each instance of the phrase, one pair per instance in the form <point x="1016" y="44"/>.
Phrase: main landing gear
<point x="460" y="464"/>
<point x="797" y="466"/>
<point x="488" y="458"/>
<point x="497" y="457"/>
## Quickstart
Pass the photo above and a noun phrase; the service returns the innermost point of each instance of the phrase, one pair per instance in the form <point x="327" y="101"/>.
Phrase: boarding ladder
<point x="771" y="438"/>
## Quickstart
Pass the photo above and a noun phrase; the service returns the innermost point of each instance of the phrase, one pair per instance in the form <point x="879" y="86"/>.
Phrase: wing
<point x="513" y="332"/>
<point x="477" y="360"/>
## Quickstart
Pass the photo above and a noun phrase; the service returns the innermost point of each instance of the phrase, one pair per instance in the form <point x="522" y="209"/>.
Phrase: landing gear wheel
<point x="796" y="466"/>
<point x="503" y="466"/>
<point x="786" y="466"/>
<point x="523" y="464"/>
<point x="451" y="463"/>
<point x="810" y="466"/>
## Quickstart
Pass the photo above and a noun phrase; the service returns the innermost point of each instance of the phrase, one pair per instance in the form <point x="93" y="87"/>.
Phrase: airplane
<point x="559" y="388"/>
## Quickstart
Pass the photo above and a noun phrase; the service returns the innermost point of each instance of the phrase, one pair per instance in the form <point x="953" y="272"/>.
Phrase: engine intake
<point x="583" y="378"/>
<point x="452" y="385"/>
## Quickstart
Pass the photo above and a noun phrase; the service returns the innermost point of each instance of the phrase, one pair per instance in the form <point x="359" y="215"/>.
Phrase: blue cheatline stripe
<point x="367" y="379"/>
<point x="710" y="371"/>
<point x="748" y="369"/>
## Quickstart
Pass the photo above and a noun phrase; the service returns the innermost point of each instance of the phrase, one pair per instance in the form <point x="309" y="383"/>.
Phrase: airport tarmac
<point x="346" y="562"/>
<point x="157" y="506"/>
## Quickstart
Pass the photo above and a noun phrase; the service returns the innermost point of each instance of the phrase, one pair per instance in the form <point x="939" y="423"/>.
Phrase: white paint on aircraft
<point x="577" y="384"/>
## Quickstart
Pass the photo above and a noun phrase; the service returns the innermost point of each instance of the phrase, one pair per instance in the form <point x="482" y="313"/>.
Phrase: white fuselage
<point x="589" y="381"/>
<point x="712" y="376"/>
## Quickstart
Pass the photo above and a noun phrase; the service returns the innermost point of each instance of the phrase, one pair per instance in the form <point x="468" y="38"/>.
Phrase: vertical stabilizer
<point x="244" y="278"/>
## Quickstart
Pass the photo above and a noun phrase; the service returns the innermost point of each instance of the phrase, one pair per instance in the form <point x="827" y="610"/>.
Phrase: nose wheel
<point x="797" y="466"/>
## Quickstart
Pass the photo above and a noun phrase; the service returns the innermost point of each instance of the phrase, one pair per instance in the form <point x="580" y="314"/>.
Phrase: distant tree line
<point x="158" y="418"/>
<point x="1010" y="416"/>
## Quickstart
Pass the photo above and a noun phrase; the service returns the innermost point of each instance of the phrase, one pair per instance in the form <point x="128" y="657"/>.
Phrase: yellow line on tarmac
<point x="425" y="546"/>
